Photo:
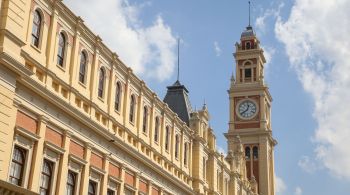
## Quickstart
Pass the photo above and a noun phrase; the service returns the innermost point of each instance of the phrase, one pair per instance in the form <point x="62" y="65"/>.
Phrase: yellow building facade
<point x="74" y="119"/>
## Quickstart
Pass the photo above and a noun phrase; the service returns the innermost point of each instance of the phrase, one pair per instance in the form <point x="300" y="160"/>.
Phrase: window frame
<point x="186" y="153"/>
<point x="132" y="108"/>
<point x="156" y="129"/>
<point x="23" y="152"/>
<point x="145" y="120"/>
<point x="36" y="38"/>
<point x="61" y="47"/>
<point x="177" y="144"/>
<point x="82" y="74"/>
<point x="94" y="184"/>
<point x="167" y="138"/>
<point x="101" y="82"/>
<point x="74" y="184"/>
<point x="117" y="97"/>
<point x="47" y="175"/>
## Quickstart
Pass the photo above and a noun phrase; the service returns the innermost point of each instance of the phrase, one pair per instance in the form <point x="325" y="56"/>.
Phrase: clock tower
<point x="250" y="112"/>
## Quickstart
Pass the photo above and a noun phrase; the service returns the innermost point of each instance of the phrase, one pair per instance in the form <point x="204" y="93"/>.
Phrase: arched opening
<point x="36" y="29"/>
<point x="61" y="49"/>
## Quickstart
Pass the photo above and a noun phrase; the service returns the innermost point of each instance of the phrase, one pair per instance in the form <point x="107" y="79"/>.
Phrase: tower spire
<point x="249" y="14"/>
<point x="178" y="59"/>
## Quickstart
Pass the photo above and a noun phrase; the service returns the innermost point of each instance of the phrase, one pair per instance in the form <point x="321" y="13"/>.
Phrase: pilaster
<point x="86" y="170"/>
<point x="63" y="166"/>
<point x="38" y="155"/>
<point x="104" y="181"/>
<point x="122" y="178"/>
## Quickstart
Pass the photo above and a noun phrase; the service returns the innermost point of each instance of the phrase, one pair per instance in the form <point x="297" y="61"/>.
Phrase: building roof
<point x="178" y="101"/>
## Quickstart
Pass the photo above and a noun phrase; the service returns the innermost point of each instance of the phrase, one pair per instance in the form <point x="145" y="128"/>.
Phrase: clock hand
<point x="245" y="110"/>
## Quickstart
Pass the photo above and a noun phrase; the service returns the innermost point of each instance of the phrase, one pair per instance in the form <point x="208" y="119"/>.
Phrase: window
<point x="61" y="48"/>
<point x="132" y="108"/>
<point x="156" y="129"/>
<point x="36" y="28"/>
<point x="118" y="92"/>
<point x="185" y="153"/>
<point x="110" y="192"/>
<point x="82" y="67"/>
<point x="248" y="73"/>
<point x="92" y="188"/>
<point x="17" y="166"/>
<point x="46" y="176"/>
<point x="167" y="135"/>
<point x="71" y="180"/>
<point x="255" y="152"/>
<point x="145" y="119"/>
<point x="101" y="82"/>
<point x="247" y="153"/>
<point x="128" y="192"/>
<point x="248" y="45"/>
<point x="177" y="140"/>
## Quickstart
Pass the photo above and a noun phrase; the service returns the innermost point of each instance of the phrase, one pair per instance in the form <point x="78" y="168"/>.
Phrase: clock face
<point x="247" y="109"/>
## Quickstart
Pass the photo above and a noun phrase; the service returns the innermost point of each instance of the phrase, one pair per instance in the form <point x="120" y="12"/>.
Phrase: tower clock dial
<point x="247" y="109"/>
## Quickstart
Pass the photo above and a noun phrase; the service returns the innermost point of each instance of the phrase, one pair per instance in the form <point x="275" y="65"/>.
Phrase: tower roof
<point x="178" y="101"/>
<point x="248" y="32"/>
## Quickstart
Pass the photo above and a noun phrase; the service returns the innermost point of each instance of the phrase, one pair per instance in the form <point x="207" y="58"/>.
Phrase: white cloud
<point x="298" y="191"/>
<point x="317" y="44"/>
<point x="280" y="186"/>
<point x="260" y="21"/>
<point x="268" y="53"/>
<point x="148" y="50"/>
<point x="217" y="49"/>
<point x="308" y="165"/>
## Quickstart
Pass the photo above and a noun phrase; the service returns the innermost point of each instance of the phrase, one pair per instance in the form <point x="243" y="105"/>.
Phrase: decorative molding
<point x="27" y="134"/>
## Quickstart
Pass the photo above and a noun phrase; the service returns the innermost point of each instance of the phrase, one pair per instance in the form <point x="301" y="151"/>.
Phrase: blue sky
<point x="305" y="43"/>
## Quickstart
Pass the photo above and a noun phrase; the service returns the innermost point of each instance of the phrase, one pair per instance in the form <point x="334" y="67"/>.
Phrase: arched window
<point x="61" y="48"/>
<point x="46" y="177"/>
<point x="247" y="153"/>
<point x="17" y="166"/>
<point x="82" y="67"/>
<point x="185" y="153"/>
<point x="92" y="188"/>
<point x="118" y="91"/>
<point x="36" y="28"/>
<point x="248" y="45"/>
<point x="101" y="82"/>
<point x="145" y="119"/>
<point x="132" y="108"/>
<point x="156" y="129"/>
<point x="177" y="140"/>
<point x="167" y="136"/>
<point x="70" y="188"/>
<point x="255" y="152"/>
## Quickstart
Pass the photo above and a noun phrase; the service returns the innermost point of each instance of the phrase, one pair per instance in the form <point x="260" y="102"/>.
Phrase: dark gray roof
<point x="248" y="32"/>
<point x="178" y="101"/>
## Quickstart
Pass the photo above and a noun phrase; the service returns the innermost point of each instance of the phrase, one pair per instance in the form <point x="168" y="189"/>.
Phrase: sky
<point x="308" y="72"/>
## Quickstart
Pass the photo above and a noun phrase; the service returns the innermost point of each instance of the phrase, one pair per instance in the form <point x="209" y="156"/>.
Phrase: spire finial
<point x="249" y="13"/>
<point x="178" y="59"/>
